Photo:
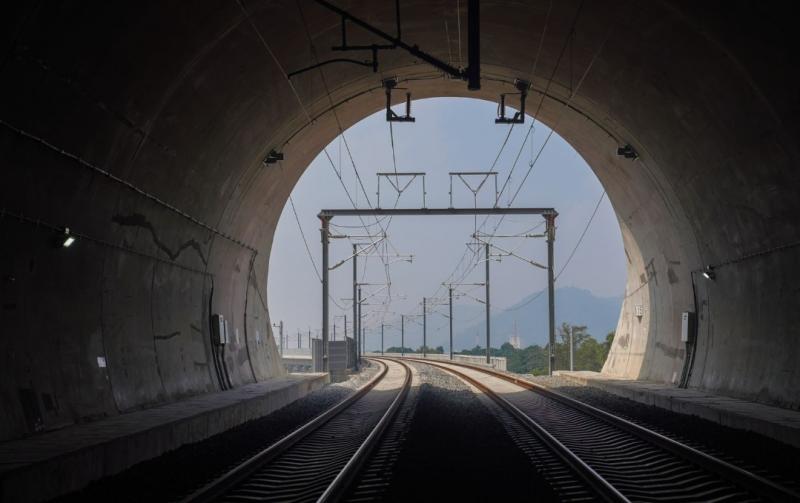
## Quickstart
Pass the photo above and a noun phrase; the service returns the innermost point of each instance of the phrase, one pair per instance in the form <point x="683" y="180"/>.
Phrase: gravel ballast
<point x="747" y="450"/>
<point x="457" y="450"/>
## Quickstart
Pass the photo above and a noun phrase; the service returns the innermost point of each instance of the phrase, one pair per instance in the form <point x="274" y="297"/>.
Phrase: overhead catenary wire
<point x="569" y="259"/>
<point x="344" y="138"/>
<point x="305" y="241"/>
<point x="583" y="234"/>
<point x="361" y="185"/>
<point x="307" y="247"/>
<point x="573" y="92"/>
<point x="505" y="141"/>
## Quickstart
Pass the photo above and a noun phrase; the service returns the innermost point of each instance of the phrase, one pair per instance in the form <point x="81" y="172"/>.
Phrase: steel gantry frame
<point x="549" y="215"/>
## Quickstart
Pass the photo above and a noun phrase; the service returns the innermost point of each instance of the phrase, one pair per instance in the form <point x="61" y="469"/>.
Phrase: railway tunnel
<point x="145" y="128"/>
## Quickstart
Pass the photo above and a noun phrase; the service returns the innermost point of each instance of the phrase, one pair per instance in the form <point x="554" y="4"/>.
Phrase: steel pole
<point x="355" y="303"/>
<point x="488" y="323"/>
<point x="551" y="235"/>
<point x="325" y="235"/>
<point x="571" y="348"/>
<point x="402" y="336"/>
<point x="451" y="322"/>
<point x="424" y="330"/>
<point x="473" y="45"/>
<point x="360" y="337"/>
<point x="381" y="339"/>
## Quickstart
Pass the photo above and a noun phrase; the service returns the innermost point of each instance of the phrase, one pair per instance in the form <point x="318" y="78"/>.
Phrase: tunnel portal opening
<point x="145" y="132"/>
<point x="399" y="264"/>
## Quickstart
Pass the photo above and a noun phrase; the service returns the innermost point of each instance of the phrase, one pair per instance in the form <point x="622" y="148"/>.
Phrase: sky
<point x="450" y="134"/>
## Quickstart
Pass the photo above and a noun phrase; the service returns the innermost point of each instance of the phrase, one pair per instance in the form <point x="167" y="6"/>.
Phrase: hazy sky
<point x="451" y="134"/>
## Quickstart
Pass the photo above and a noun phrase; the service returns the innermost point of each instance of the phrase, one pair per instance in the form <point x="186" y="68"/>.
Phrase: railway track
<point x="318" y="461"/>
<point x="617" y="459"/>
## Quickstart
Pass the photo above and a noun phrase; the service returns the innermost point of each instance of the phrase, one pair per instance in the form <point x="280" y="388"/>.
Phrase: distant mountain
<point x="573" y="305"/>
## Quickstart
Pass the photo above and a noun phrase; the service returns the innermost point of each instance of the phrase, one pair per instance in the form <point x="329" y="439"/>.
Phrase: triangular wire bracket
<point x="400" y="187"/>
<point x="483" y="176"/>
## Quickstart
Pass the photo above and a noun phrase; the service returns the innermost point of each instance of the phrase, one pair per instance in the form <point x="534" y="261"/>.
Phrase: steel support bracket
<point x="391" y="116"/>
<point x="519" y="117"/>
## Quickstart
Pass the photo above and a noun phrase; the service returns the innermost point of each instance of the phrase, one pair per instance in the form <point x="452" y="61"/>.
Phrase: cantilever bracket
<point x="391" y="116"/>
<point x="373" y="64"/>
<point x="519" y="117"/>
<point x="471" y="74"/>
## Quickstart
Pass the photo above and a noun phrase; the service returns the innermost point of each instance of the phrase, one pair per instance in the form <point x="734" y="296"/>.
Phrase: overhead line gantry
<point x="549" y="215"/>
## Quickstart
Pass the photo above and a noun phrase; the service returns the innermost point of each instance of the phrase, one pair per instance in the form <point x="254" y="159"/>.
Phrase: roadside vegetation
<point x="590" y="354"/>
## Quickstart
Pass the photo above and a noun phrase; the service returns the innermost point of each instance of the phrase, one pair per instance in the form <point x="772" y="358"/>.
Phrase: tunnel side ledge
<point x="58" y="462"/>
<point x="776" y="423"/>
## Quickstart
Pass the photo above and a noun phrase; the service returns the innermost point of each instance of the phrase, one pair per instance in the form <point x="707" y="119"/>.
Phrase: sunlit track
<point x="375" y="477"/>
<point x="641" y="465"/>
<point x="318" y="461"/>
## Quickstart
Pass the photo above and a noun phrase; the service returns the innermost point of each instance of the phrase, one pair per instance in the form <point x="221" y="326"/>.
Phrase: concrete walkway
<point x="773" y="422"/>
<point x="55" y="463"/>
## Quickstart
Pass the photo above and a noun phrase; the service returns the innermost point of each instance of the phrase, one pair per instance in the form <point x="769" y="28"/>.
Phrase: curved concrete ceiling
<point x="143" y="129"/>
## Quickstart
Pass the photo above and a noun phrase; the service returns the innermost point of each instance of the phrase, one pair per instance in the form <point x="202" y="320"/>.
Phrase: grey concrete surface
<point x="773" y="422"/>
<point x="58" y="462"/>
<point x="297" y="363"/>
<point x="143" y="128"/>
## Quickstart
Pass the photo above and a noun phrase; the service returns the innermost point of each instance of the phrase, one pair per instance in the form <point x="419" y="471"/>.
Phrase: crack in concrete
<point x="167" y="336"/>
<point x="139" y="220"/>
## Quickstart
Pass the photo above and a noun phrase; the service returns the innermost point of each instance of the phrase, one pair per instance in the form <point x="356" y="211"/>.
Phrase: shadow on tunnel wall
<point x="142" y="128"/>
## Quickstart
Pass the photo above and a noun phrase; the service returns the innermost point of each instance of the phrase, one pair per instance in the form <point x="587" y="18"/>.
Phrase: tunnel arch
<point x="143" y="129"/>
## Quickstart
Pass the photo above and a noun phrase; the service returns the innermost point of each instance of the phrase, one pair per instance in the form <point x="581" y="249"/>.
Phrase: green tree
<point x="590" y="354"/>
<point x="429" y="350"/>
<point x="608" y="342"/>
<point x="398" y="349"/>
<point x="579" y="336"/>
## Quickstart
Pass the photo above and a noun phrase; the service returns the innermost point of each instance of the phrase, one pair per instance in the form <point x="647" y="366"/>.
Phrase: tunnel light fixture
<point x="627" y="152"/>
<point x="273" y="157"/>
<point x="67" y="239"/>
<point x="708" y="273"/>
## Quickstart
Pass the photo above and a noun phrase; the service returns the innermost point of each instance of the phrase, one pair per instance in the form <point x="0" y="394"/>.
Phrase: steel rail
<point x="593" y="479"/>
<point x="220" y="485"/>
<point x="740" y="477"/>
<point x="342" y="482"/>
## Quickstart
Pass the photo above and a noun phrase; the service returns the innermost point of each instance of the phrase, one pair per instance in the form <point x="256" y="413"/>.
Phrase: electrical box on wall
<point x="687" y="326"/>
<point x="218" y="328"/>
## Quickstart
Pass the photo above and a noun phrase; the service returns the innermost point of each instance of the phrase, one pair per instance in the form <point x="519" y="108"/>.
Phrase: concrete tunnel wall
<point x="142" y="127"/>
